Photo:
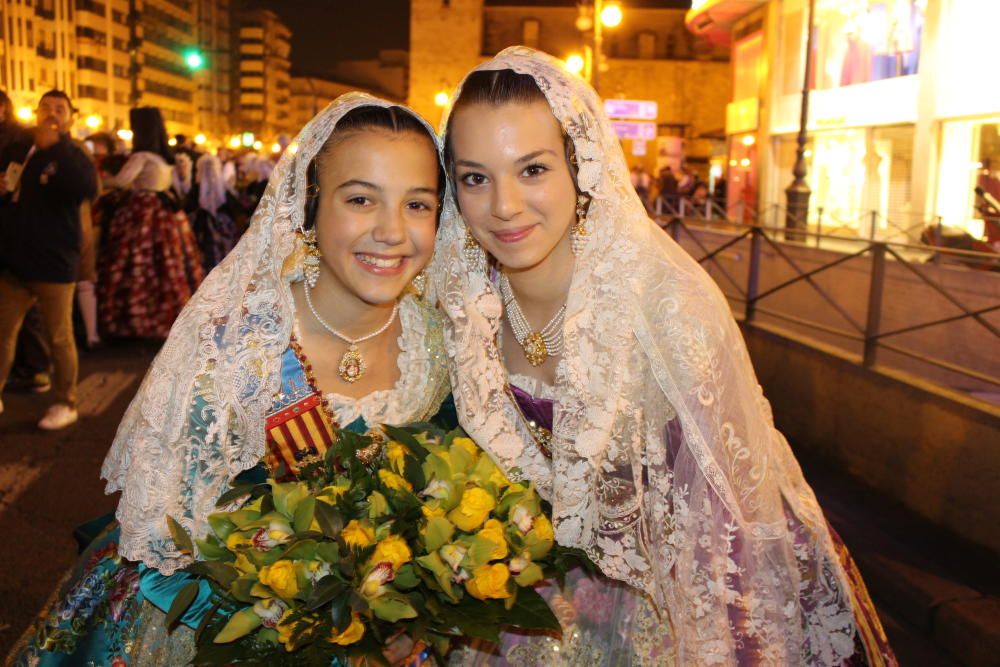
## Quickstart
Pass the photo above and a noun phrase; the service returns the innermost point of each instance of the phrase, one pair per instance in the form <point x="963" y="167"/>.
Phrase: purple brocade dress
<point x="607" y="623"/>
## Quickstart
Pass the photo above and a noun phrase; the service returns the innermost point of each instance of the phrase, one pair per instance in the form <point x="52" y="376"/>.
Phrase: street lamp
<point x="611" y="15"/>
<point x="25" y="113"/>
<point x="574" y="63"/>
<point x="93" y="121"/>
<point x="200" y="139"/>
<point x="601" y="16"/>
<point x="125" y="135"/>
<point x="797" y="194"/>
<point x="441" y="98"/>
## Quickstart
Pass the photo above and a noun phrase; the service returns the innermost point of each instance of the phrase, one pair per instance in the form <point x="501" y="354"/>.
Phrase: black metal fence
<point x="870" y="334"/>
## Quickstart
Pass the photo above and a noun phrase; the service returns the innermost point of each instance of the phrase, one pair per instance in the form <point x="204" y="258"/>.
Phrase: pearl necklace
<point x="352" y="364"/>
<point x="537" y="345"/>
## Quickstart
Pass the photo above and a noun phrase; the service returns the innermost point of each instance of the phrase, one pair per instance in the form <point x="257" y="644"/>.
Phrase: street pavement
<point x="50" y="483"/>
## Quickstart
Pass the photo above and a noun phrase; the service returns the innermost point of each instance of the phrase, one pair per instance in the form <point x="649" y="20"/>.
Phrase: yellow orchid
<point x="493" y="531"/>
<point x="489" y="581"/>
<point x="358" y="533"/>
<point x="472" y="510"/>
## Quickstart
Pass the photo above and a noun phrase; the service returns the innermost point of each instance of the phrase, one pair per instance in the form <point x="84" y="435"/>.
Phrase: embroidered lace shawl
<point x="701" y="528"/>
<point x="198" y="417"/>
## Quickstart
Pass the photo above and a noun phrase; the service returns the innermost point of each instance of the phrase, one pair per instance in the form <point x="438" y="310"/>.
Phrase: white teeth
<point x="381" y="262"/>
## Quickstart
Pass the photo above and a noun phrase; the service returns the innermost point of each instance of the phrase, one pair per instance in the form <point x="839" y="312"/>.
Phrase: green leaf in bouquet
<point x="531" y="611"/>
<point x="243" y="518"/>
<point x="301" y="549"/>
<point x="267" y="504"/>
<point x="221" y="573"/>
<point x="325" y="590"/>
<point x="242" y="587"/>
<point x="440" y="643"/>
<point x="269" y="635"/>
<point x="413" y="472"/>
<point x="240" y="624"/>
<point x="235" y="493"/>
<point x="287" y="497"/>
<point x="304" y="514"/>
<point x="403" y="437"/>
<point x="211" y="549"/>
<point x="358" y="603"/>
<point x="330" y="520"/>
<point x="340" y="610"/>
<point x="406" y="578"/>
<point x="509" y="500"/>
<point x="180" y="536"/>
<point x="221" y="525"/>
<point x="328" y="551"/>
<point x="461" y="460"/>
<point x="436" y="466"/>
<point x="392" y="607"/>
<point x="433" y="564"/>
<point x="480" y="551"/>
<point x="180" y="604"/>
<point x="530" y="575"/>
<point x="438" y="533"/>
<point x="515" y="538"/>
<point x="536" y="546"/>
<point x="476" y="619"/>
<point x="261" y="558"/>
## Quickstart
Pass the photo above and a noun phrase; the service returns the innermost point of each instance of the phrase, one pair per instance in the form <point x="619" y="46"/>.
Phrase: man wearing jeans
<point x="40" y="246"/>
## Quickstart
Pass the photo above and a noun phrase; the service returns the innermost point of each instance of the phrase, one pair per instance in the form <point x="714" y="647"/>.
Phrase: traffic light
<point x="194" y="59"/>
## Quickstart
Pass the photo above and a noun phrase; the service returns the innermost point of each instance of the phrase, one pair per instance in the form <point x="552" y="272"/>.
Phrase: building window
<point x="31" y="35"/>
<point x="647" y="45"/>
<point x="530" y="32"/>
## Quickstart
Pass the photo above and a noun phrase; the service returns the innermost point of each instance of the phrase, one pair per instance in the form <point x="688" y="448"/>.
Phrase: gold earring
<point x="579" y="233"/>
<point x="475" y="256"/>
<point x="418" y="286"/>
<point x="310" y="262"/>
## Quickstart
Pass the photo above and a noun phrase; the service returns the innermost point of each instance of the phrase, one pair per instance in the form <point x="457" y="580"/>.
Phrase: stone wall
<point x="445" y="43"/>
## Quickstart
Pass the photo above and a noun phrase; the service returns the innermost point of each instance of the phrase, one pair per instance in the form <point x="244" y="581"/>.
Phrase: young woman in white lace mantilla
<point x="661" y="461"/>
<point x="250" y="380"/>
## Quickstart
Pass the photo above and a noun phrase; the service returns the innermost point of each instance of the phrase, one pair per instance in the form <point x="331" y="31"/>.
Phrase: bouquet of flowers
<point x="420" y="533"/>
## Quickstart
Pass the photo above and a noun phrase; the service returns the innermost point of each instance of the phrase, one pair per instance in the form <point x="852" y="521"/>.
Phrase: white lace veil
<point x="198" y="418"/>
<point x="666" y="466"/>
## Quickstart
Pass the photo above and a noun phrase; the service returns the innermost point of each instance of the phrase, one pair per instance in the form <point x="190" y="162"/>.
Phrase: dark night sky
<point x="325" y="31"/>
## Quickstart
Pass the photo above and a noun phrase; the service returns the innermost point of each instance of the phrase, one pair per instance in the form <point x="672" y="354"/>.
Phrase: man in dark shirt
<point x="40" y="245"/>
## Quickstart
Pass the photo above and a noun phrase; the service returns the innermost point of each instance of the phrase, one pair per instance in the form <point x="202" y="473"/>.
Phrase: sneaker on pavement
<point x="58" y="416"/>
<point x="36" y="383"/>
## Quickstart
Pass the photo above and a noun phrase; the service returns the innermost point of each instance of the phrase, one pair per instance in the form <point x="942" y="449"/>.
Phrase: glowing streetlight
<point x="200" y="139"/>
<point x="172" y="141"/>
<point x="194" y="60"/>
<point x="93" y="121"/>
<point x="25" y="113"/>
<point x="749" y="140"/>
<point x="275" y="147"/>
<point x="247" y="139"/>
<point x="611" y="15"/>
<point x="125" y="135"/>
<point x="574" y="63"/>
<point x="441" y="99"/>
<point x="257" y="145"/>
<point x="234" y="141"/>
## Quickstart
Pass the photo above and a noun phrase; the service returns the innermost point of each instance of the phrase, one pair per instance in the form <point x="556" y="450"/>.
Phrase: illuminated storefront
<point x="904" y="120"/>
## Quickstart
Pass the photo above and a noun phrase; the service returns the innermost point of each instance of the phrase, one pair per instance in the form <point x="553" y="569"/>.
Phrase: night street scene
<point x="557" y="333"/>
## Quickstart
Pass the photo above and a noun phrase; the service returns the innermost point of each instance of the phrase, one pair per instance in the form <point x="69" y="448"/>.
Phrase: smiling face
<point x="377" y="212"/>
<point x="513" y="182"/>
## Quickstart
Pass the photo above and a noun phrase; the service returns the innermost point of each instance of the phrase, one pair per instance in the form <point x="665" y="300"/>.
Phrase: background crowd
<point x="99" y="241"/>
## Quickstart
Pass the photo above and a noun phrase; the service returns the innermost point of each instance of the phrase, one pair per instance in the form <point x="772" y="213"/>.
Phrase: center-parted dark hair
<point x="497" y="88"/>
<point x="149" y="133"/>
<point x="394" y="119"/>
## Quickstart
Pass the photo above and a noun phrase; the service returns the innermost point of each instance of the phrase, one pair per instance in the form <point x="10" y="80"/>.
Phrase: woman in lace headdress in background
<point x="309" y="323"/>
<point x="592" y="356"/>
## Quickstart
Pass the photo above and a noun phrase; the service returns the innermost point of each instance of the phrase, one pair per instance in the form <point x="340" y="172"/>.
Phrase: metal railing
<point x="869" y="334"/>
<point x="830" y="225"/>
